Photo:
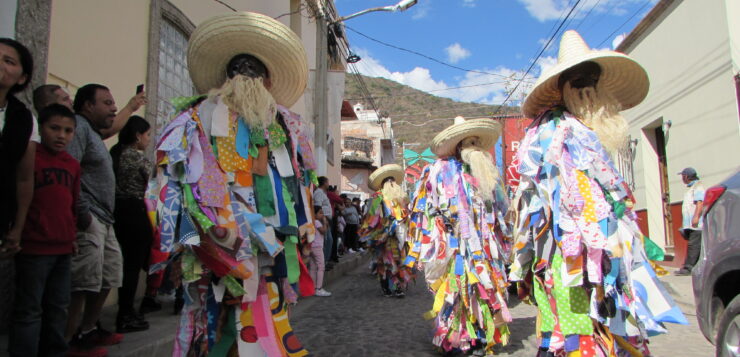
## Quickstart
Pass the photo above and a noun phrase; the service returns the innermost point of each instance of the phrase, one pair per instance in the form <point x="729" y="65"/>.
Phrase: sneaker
<point x="321" y="292"/>
<point x="131" y="323"/>
<point x="351" y="251"/>
<point x="387" y="293"/>
<point x="682" y="272"/>
<point x="400" y="294"/>
<point x="149" y="304"/>
<point x="103" y="337"/>
<point x="84" y="345"/>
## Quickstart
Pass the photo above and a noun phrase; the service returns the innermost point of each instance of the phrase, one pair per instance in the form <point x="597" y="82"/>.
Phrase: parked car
<point x="716" y="278"/>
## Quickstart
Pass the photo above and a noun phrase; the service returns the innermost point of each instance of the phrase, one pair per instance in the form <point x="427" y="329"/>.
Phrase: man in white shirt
<point x="691" y="209"/>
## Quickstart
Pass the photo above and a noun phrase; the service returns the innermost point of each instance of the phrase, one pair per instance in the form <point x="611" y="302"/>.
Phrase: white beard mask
<point x="598" y="110"/>
<point x="393" y="192"/>
<point x="249" y="98"/>
<point x="481" y="167"/>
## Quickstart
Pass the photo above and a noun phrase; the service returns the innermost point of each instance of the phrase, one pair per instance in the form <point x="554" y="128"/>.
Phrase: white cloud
<point x="618" y="40"/>
<point x="477" y="87"/>
<point x="545" y="10"/>
<point x="469" y="3"/>
<point x="420" y="10"/>
<point x="456" y="52"/>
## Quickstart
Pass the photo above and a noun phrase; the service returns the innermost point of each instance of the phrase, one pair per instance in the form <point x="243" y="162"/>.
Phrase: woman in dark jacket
<point x="16" y="148"/>
<point x="132" y="226"/>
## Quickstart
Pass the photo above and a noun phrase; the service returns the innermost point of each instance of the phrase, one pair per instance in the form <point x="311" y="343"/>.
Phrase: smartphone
<point x="139" y="88"/>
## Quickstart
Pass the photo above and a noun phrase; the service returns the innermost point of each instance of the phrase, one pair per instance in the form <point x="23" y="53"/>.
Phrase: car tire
<point x="728" y="330"/>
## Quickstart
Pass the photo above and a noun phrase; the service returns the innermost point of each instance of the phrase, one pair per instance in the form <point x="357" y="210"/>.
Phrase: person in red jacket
<point x="47" y="242"/>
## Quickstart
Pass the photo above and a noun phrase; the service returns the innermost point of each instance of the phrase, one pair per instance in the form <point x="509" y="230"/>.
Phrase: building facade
<point x="367" y="143"/>
<point x="122" y="44"/>
<point x="691" y="52"/>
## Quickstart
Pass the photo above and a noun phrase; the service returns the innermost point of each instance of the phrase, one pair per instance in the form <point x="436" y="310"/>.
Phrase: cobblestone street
<point x="358" y="321"/>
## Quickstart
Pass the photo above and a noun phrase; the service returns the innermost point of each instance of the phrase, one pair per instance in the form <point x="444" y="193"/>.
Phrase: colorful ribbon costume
<point x="459" y="242"/>
<point x="234" y="202"/>
<point x="384" y="230"/>
<point x="578" y="247"/>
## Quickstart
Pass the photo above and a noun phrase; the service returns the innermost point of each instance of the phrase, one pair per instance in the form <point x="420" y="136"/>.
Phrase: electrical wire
<point x="624" y="23"/>
<point x="583" y="19"/>
<point x="537" y="58"/>
<point x="225" y="4"/>
<point x="423" y="55"/>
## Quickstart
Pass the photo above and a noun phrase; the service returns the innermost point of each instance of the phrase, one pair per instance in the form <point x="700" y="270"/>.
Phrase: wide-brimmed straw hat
<point x="485" y="129"/>
<point x="384" y="172"/>
<point x="622" y="76"/>
<point x="217" y="40"/>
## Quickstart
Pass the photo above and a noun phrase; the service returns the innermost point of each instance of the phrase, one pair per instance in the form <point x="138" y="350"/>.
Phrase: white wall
<point x="686" y="53"/>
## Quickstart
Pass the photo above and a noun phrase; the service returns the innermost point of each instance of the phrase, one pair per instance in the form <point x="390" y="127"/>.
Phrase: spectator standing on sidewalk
<point x="47" y="243"/>
<point x="321" y="199"/>
<point x="336" y="206"/>
<point x="97" y="267"/>
<point x="316" y="258"/>
<point x="132" y="226"/>
<point x="47" y="94"/>
<point x="352" y="219"/>
<point x="693" y="203"/>
<point x="18" y="135"/>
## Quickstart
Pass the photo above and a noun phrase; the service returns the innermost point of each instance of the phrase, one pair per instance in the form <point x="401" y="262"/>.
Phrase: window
<point x="174" y="78"/>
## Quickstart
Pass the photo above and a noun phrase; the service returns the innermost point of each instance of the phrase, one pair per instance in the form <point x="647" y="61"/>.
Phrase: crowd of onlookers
<point x="72" y="212"/>
<point x="337" y="222"/>
<point x="74" y="221"/>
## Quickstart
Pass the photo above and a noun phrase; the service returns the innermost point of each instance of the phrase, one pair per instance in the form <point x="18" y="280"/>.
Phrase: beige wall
<point x="103" y="42"/>
<point x="686" y="53"/>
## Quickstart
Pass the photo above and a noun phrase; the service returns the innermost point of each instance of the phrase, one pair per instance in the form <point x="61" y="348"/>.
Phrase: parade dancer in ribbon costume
<point x="384" y="229"/>
<point x="578" y="249"/>
<point x="233" y="188"/>
<point x="459" y="238"/>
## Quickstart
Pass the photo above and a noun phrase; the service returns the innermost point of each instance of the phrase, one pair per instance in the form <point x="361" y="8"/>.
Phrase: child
<point x="47" y="243"/>
<point x="316" y="258"/>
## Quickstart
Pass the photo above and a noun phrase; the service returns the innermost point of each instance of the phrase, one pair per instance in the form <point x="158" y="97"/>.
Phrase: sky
<point x="492" y="42"/>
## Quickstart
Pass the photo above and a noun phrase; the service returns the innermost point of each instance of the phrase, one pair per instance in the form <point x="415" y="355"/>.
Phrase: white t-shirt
<point x="34" y="132"/>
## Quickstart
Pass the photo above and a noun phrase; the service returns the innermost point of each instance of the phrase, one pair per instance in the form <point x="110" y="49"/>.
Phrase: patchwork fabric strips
<point x="577" y="241"/>
<point x="237" y="252"/>
<point x="459" y="245"/>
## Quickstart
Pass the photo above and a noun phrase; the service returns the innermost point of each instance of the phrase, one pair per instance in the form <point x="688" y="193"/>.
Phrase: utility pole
<point x="321" y="89"/>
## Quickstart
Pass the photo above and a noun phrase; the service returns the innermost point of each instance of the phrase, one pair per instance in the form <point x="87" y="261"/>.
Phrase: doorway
<point x="660" y="143"/>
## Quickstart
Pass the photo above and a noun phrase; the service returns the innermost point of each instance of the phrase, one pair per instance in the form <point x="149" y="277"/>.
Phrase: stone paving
<point x="358" y="321"/>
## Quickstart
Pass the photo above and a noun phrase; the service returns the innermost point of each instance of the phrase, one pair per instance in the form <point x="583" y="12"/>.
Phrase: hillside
<point x="413" y="111"/>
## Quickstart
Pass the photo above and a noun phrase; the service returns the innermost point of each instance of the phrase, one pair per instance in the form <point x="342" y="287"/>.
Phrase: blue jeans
<point x="328" y="239"/>
<point x="42" y="294"/>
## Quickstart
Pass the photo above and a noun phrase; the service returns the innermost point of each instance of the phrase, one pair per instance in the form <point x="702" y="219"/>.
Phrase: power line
<point x="588" y="13"/>
<point x="624" y="23"/>
<point x="537" y="58"/>
<point x="423" y="55"/>
<point x="225" y="4"/>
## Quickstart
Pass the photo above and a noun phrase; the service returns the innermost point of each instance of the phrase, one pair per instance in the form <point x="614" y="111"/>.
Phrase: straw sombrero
<point x="216" y="40"/>
<point x="384" y="172"/>
<point x="485" y="129"/>
<point x="624" y="77"/>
